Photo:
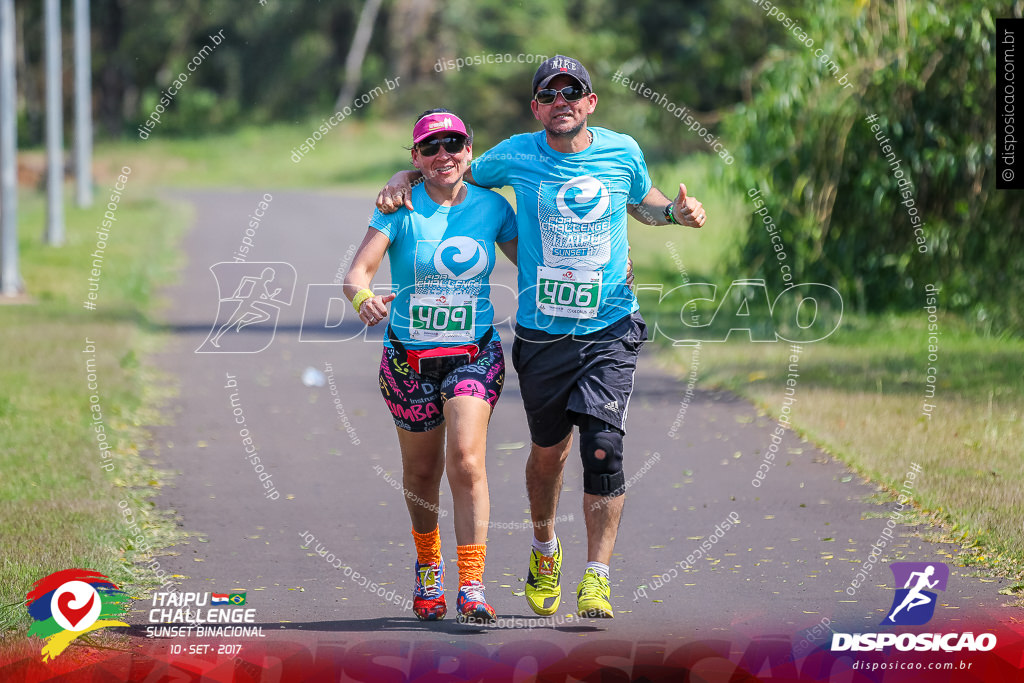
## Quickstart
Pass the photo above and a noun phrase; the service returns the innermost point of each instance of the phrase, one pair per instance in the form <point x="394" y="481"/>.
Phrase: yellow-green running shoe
<point x="592" y="597"/>
<point x="544" y="582"/>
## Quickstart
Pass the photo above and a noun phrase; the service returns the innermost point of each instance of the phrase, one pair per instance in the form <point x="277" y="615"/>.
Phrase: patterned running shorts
<point x="417" y="401"/>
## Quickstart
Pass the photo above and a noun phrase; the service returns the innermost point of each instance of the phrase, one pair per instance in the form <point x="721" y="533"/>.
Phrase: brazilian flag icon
<point x="237" y="598"/>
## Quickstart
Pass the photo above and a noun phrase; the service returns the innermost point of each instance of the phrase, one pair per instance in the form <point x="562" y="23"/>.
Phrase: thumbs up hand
<point x="687" y="210"/>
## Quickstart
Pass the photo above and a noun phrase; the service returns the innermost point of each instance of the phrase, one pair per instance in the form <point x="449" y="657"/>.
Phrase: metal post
<point x="83" y="106"/>
<point x="10" y="277"/>
<point x="54" y="128"/>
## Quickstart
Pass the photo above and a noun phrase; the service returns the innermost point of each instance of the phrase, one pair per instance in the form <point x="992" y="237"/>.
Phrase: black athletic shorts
<point x="417" y="401"/>
<point x="592" y="374"/>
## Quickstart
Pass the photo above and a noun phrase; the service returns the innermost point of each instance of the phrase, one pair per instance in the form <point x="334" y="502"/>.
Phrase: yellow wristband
<point x="361" y="296"/>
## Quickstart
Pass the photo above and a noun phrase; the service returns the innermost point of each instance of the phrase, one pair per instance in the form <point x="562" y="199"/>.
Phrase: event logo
<point x="460" y="258"/>
<point x="574" y="218"/>
<point x="176" y="614"/>
<point x="70" y="603"/>
<point x="258" y="290"/>
<point x="913" y="604"/>
<point x="590" y="192"/>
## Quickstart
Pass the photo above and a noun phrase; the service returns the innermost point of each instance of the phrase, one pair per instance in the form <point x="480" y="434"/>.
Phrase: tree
<point x="357" y="52"/>
<point x="838" y="188"/>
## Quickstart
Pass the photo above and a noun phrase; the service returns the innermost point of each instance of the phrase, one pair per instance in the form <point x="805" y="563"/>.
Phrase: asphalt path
<point x="785" y="567"/>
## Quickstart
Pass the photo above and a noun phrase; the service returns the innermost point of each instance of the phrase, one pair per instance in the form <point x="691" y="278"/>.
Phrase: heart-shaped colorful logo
<point x="70" y="603"/>
<point x="75" y="616"/>
<point x="75" y="605"/>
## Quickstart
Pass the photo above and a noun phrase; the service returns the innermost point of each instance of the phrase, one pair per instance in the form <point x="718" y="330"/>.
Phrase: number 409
<point x="438" y="318"/>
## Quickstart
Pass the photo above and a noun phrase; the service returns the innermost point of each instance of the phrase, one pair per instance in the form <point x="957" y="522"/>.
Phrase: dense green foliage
<point x="927" y="71"/>
<point x="284" y="61"/>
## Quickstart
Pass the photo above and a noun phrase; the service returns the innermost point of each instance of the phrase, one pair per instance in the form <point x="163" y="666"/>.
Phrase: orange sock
<point x="428" y="546"/>
<point x="471" y="563"/>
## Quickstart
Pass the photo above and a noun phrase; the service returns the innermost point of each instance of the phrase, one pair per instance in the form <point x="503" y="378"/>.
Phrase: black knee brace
<point x="601" y="476"/>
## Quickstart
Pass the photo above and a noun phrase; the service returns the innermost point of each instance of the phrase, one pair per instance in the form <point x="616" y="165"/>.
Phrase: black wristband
<point x="670" y="215"/>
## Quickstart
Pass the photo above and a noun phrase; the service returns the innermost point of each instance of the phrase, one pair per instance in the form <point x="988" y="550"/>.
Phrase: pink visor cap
<point x="437" y="123"/>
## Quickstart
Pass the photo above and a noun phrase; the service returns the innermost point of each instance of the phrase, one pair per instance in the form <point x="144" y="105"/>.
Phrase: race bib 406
<point x="568" y="293"/>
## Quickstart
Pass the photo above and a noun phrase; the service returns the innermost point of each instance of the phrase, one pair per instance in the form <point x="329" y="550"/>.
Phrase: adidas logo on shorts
<point x="612" y="406"/>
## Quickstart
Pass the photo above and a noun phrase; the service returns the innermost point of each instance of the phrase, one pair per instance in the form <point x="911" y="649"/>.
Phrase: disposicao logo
<point x="70" y="603"/>
<point x="914" y="605"/>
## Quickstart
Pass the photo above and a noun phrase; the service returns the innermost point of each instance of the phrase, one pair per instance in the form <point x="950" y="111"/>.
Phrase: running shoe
<point x="472" y="606"/>
<point x="543" y="584"/>
<point x="592" y="596"/>
<point x="428" y="596"/>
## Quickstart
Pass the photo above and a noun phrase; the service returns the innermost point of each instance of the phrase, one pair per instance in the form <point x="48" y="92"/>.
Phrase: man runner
<point x="578" y="330"/>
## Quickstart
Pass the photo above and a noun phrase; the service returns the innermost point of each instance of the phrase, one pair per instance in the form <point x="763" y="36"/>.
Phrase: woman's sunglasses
<point x="453" y="144"/>
<point x="571" y="93"/>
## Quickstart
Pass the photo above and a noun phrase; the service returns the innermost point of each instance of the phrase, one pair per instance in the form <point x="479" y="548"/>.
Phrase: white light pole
<point x="83" y="106"/>
<point x="54" y="128"/>
<point x="10" y="277"/>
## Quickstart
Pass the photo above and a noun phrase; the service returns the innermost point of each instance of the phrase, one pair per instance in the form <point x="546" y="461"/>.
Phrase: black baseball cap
<point x="560" y="65"/>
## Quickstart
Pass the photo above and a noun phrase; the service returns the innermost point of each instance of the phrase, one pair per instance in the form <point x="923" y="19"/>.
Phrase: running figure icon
<point x="915" y="597"/>
<point x="254" y="297"/>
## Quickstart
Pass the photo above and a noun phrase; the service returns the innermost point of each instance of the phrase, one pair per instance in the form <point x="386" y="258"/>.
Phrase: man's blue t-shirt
<point x="571" y="210"/>
<point x="441" y="259"/>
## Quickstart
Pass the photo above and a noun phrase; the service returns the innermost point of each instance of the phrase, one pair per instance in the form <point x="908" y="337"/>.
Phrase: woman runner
<point x="442" y="363"/>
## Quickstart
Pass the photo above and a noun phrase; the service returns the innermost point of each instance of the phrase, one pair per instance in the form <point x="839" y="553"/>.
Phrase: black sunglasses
<point x="453" y="144"/>
<point x="571" y="93"/>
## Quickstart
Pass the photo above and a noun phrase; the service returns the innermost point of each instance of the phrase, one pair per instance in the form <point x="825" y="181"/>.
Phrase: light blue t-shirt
<point x="441" y="259"/>
<point x="571" y="210"/>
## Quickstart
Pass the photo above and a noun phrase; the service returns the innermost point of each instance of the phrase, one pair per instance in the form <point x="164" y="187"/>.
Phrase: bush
<point x="840" y="199"/>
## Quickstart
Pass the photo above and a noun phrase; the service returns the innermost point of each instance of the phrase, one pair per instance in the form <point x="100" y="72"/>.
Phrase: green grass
<point x="861" y="391"/>
<point x="55" y="499"/>
<point x="355" y="155"/>
<point x="860" y="394"/>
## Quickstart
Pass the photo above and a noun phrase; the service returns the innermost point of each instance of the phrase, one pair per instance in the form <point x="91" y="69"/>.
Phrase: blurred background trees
<point x="926" y="68"/>
<point x="286" y="60"/>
